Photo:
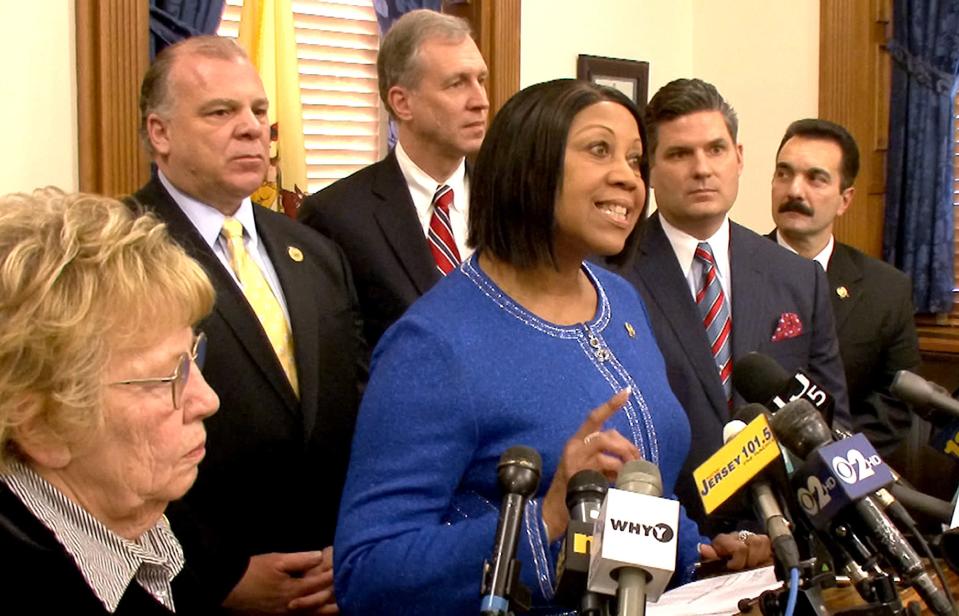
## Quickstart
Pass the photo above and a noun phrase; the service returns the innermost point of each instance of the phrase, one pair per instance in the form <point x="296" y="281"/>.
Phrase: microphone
<point x="746" y="454"/>
<point x="584" y="498"/>
<point x="634" y="548"/>
<point x="759" y="378"/>
<point x="849" y="470"/>
<point x="925" y="396"/>
<point x="764" y="499"/>
<point x="518" y="472"/>
<point x="934" y="404"/>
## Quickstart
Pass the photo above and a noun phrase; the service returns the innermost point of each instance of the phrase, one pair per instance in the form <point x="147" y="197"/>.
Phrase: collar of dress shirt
<point x="684" y="245"/>
<point x="822" y="258"/>
<point x="209" y="220"/>
<point x="422" y="186"/>
<point x="107" y="562"/>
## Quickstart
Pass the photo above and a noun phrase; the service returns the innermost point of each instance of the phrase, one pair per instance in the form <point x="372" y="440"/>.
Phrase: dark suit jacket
<point x="767" y="281"/>
<point x="40" y="576"/>
<point x="275" y="464"/>
<point x="877" y="338"/>
<point x="370" y="214"/>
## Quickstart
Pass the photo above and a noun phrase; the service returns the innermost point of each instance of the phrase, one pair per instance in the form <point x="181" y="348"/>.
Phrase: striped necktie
<point x="261" y="298"/>
<point x="442" y="245"/>
<point x="715" y="312"/>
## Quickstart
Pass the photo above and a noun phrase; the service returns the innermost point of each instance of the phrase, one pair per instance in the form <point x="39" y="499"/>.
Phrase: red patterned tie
<point x="442" y="245"/>
<point x="715" y="312"/>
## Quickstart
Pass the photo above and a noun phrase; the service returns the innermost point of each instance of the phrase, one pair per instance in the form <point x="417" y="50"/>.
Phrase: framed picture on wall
<point x="631" y="77"/>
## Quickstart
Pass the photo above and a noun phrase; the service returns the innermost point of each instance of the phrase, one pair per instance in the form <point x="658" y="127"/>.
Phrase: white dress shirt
<point x="423" y="187"/>
<point x="822" y="258"/>
<point x="208" y="221"/>
<point x="684" y="246"/>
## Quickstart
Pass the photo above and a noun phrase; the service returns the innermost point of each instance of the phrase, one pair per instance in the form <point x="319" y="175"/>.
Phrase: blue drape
<point x="918" y="236"/>
<point x="175" y="20"/>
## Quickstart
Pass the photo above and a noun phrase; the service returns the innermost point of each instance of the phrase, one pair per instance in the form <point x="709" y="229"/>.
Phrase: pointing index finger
<point x="599" y="415"/>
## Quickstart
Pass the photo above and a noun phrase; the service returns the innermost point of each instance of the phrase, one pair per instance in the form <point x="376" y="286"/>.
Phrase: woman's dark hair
<point x="519" y="171"/>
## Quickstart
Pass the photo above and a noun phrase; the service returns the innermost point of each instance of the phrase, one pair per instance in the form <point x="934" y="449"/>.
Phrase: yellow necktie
<point x="261" y="298"/>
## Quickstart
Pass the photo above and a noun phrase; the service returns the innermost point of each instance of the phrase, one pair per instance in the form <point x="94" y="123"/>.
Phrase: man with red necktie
<point x="715" y="290"/>
<point x="402" y="221"/>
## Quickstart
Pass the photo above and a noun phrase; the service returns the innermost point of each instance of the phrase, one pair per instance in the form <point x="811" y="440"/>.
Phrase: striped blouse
<point x="107" y="561"/>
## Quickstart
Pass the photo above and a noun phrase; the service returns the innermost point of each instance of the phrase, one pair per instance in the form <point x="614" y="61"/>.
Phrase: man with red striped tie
<point x="715" y="290"/>
<point x="402" y="221"/>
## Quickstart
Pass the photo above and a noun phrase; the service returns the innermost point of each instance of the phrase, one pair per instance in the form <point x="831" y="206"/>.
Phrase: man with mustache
<point x="285" y="353"/>
<point x="715" y="290"/>
<point x="812" y="185"/>
<point x="402" y="221"/>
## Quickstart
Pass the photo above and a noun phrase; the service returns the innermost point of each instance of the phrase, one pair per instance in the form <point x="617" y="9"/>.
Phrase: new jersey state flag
<point x="269" y="38"/>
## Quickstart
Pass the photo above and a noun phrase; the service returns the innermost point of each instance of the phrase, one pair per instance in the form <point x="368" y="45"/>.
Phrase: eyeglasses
<point x="181" y="375"/>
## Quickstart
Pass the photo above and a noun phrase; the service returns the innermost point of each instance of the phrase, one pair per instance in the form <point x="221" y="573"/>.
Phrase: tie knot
<point x="704" y="253"/>
<point x="443" y="198"/>
<point x="232" y="228"/>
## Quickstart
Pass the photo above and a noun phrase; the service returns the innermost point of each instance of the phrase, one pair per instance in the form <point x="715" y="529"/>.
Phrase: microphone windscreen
<point x="587" y="484"/>
<point x="519" y="470"/>
<point x="759" y="378"/>
<point x="640" y="476"/>
<point x="732" y="428"/>
<point x="800" y="427"/>
<point x="750" y="412"/>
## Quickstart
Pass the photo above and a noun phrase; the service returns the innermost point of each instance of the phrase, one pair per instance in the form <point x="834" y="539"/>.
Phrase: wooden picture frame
<point x="631" y="77"/>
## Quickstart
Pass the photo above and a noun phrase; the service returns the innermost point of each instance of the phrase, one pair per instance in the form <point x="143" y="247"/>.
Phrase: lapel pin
<point x="295" y="253"/>
<point x="842" y="292"/>
<point x="630" y="330"/>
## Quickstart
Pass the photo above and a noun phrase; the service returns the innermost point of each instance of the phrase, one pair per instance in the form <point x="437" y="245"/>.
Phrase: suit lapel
<point x="660" y="272"/>
<point x="231" y="304"/>
<point x="845" y="284"/>
<point x="397" y="218"/>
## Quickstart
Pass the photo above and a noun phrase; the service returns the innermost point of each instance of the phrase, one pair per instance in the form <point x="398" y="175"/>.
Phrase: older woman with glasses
<point x="101" y="407"/>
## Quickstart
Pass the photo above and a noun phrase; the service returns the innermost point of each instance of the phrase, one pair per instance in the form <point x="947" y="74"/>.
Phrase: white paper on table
<point x="715" y="596"/>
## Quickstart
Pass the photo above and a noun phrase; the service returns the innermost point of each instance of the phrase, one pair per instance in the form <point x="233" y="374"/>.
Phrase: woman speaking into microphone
<point x="524" y="343"/>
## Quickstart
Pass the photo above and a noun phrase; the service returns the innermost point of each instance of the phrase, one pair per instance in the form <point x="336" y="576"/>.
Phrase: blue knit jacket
<point x="465" y="374"/>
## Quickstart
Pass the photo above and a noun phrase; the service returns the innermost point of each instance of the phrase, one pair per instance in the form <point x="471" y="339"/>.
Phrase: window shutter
<point x="337" y="42"/>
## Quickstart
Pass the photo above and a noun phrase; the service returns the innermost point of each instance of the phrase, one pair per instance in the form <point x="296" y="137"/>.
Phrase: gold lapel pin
<point x="630" y="330"/>
<point x="842" y="292"/>
<point x="295" y="253"/>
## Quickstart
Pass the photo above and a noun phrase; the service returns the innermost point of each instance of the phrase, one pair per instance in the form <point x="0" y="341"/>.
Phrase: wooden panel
<point x="111" y="59"/>
<point x="854" y="75"/>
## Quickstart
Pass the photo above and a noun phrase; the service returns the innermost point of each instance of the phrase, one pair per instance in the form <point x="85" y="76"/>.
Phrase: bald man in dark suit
<point x="285" y="352"/>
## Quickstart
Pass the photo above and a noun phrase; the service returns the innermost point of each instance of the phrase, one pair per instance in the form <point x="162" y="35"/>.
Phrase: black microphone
<point x="584" y="498"/>
<point x="923" y="503"/>
<point x="518" y="471"/>
<point x="799" y="427"/>
<point x="934" y="404"/>
<point x="764" y="498"/>
<point x="925" y="396"/>
<point x="759" y="378"/>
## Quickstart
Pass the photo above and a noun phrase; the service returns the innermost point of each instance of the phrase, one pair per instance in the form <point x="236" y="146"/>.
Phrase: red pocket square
<point x="789" y="326"/>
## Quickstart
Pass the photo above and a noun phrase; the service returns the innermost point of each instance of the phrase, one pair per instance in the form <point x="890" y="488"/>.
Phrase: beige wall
<point x="763" y="56"/>
<point x="38" y="96"/>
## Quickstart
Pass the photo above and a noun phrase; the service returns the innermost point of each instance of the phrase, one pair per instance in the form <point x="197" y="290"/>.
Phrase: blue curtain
<point x="918" y="236"/>
<point x="175" y="20"/>
<point x="388" y="11"/>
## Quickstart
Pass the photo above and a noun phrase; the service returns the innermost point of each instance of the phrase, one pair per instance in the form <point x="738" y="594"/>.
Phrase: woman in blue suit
<point x="513" y="347"/>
